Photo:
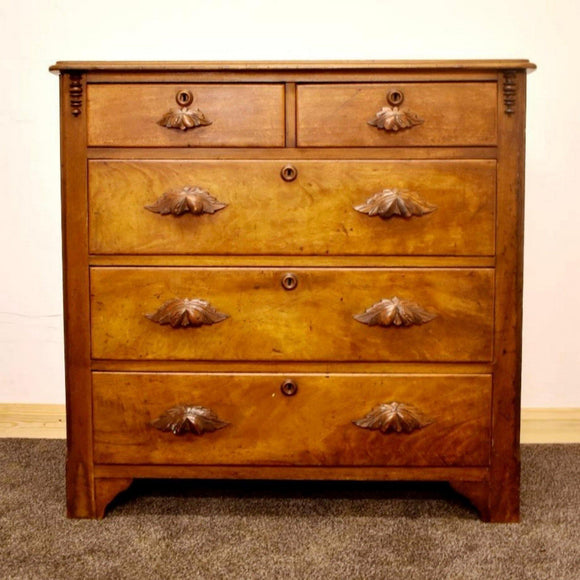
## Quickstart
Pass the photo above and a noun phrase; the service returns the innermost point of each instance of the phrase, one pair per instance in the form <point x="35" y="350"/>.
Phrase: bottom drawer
<point x="442" y="419"/>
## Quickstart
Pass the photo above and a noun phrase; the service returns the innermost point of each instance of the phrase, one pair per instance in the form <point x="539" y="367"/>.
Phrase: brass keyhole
<point x="184" y="98"/>
<point x="289" y="172"/>
<point x="289" y="387"/>
<point x="395" y="97"/>
<point x="289" y="281"/>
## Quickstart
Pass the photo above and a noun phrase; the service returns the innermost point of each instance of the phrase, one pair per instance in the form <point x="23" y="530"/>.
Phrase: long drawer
<point x="229" y="115"/>
<point x="422" y="114"/>
<point x="434" y="208"/>
<point x="307" y="314"/>
<point x="245" y="419"/>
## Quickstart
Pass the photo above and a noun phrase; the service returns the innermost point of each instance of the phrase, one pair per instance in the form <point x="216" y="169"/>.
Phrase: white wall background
<point x="35" y="33"/>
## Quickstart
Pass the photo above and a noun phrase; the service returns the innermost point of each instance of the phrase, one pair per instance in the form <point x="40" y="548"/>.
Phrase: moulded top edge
<point x="184" y="66"/>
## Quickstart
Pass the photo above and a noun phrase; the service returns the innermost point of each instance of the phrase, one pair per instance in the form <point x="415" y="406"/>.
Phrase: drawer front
<point x="313" y="427"/>
<point x="313" y="321"/>
<point x="452" y="114"/>
<point x="240" y="116"/>
<point x="313" y="214"/>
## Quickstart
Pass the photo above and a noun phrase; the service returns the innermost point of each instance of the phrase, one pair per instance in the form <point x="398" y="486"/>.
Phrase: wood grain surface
<point x="240" y="115"/>
<point x="79" y="464"/>
<point x="314" y="214"/>
<point x="313" y="427"/>
<point x="292" y="65"/>
<point x="453" y="114"/>
<point x="504" y="492"/>
<point x="539" y="425"/>
<point x="291" y="152"/>
<point x="461" y="261"/>
<point x="313" y="322"/>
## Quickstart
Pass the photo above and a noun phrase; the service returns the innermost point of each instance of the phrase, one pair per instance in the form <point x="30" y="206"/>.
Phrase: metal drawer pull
<point x="393" y="119"/>
<point x="182" y="312"/>
<point x="193" y="199"/>
<point x="189" y="419"/>
<point x="396" y="417"/>
<point x="184" y="118"/>
<point x="395" y="202"/>
<point x="395" y="312"/>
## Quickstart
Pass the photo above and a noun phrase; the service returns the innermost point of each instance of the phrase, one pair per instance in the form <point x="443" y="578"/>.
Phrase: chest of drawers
<point x="293" y="271"/>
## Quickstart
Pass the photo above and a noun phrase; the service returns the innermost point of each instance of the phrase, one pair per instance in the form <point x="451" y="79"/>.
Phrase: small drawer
<point x="303" y="314"/>
<point x="228" y="419"/>
<point x="338" y="207"/>
<point x="171" y="115"/>
<point x="427" y="114"/>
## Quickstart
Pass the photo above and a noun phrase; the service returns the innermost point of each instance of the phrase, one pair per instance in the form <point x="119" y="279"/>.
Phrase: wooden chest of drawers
<point x="293" y="271"/>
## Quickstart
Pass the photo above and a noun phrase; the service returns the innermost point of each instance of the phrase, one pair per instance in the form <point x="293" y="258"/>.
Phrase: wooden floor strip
<point x="550" y="425"/>
<point x="32" y="421"/>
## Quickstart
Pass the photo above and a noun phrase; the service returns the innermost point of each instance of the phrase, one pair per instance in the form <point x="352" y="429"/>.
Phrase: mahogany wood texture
<point x="315" y="153"/>
<point x="461" y="263"/>
<point x="314" y="214"/>
<point x="106" y="489"/>
<point x="313" y="322"/>
<point x="504" y="486"/>
<point x="300" y="366"/>
<point x="304" y="472"/>
<point x="478" y="493"/>
<point x="80" y="492"/>
<point x="290" y="66"/>
<point x="240" y="115"/>
<point x="281" y="260"/>
<point x="312" y="427"/>
<point x="452" y="114"/>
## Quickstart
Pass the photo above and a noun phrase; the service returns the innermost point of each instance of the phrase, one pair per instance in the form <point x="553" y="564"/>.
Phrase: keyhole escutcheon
<point x="289" y="387"/>
<point x="289" y="172"/>
<point x="395" y="97"/>
<point x="289" y="281"/>
<point x="184" y="98"/>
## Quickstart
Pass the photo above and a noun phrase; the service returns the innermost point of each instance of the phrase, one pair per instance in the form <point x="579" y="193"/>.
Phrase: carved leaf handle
<point x="393" y="118"/>
<point x="395" y="202"/>
<point x="397" y="417"/>
<point x="189" y="418"/>
<point x="189" y="199"/>
<point x="395" y="312"/>
<point x="184" y="117"/>
<point x="183" y="312"/>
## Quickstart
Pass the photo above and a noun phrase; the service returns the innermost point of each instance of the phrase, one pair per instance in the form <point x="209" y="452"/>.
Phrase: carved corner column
<point x="504" y="481"/>
<point x="79" y="466"/>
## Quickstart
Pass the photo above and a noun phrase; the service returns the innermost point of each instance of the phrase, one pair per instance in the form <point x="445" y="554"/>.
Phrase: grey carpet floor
<point x="254" y="530"/>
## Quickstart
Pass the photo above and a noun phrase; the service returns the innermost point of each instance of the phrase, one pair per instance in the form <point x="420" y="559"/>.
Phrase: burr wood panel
<point x="451" y="114"/>
<point x="315" y="321"/>
<point x="314" y="427"/>
<point x="319" y="212"/>
<point x="241" y="115"/>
